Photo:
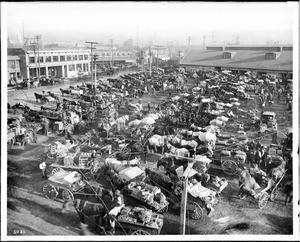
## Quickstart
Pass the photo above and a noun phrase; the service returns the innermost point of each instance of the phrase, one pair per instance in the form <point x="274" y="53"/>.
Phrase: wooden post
<point x="184" y="199"/>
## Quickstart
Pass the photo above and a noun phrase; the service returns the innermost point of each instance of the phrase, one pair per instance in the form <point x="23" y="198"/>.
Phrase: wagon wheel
<point x="57" y="169"/>
<point x="60" y="131"/>
<point x="50" y="156"/>
<point x="138" y="147"/>
<point x="67" y="195"/>
<point x="81" y="126"/>
<point x="263" y="200"/>
<point x="163" y="209"/>
<point x="126" y="150"/>
<point x="140" y="232"/>
<point x="50" y="191"/>
<point x="229" y="167"/>
<point x="195" y="211"/>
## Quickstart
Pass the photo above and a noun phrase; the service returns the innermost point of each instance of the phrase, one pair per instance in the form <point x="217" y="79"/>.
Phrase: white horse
<point x="121" y="122"/>
<point x="178" y="151"/>
<point x="134" y="123"/>
<point x="157" y="141"/>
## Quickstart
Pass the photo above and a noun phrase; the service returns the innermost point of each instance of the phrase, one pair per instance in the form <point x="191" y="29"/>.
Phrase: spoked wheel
<point x="50" y="191"/>
<point x="140" y="232"/>
<point x="67" y="195"/>
<point x="263" y="200"/>
<point x="229" y="167"/>
<point x="163" y="209"/>
<point x="56" y="170"/>
<point x="138" y="147"/>
<point x="126" y="150"/>
<point x="81" y="126"/>
<point x="61" y="131"/>
<point x="194" y="210"/>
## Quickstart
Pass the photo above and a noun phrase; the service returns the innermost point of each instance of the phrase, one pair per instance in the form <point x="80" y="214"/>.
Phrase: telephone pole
<point x="92" y="48"/>
<point x="204" y="41"/>
<point x="150" y="57"/>
<point x="189" y="39"/>
<point x="95" y="58"/>
<point x="112" y="52"/>
<point x="38" y="37"/>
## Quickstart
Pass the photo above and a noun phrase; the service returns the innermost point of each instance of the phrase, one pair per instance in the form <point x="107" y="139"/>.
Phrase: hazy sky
<point x="158" y="21"/>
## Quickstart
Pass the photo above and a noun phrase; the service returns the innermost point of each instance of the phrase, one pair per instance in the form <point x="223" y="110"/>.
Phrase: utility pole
<point x="204" y="41"/>
<point x="189" y="39"/>
<point x="95" y="58"/>
<point x="38" y="37"/>
<point x="137" y="36"/>
<point x="112" y="52"/>
<point x="150" y="57"/>
<point x="184" y="198"/>
<point x="91" y="48"/>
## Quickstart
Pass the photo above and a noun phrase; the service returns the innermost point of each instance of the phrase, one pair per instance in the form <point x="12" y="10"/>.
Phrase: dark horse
<point x="88" y="209"/>
<point x="95" y="188"/>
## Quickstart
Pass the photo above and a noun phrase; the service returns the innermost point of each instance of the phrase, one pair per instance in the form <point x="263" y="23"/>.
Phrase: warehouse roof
<point x="242" y="59"/>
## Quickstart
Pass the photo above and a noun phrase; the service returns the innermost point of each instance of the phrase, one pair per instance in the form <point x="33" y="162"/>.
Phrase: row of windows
<point x="115" y="54"/>
<point x="59" y="58"/>
<point x="79" y="67"/>
<point x="13" y="64"/>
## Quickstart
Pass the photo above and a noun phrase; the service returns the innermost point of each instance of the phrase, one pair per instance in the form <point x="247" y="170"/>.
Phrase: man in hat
<point x="117" y="206"/>
<point x="43" y="167"/>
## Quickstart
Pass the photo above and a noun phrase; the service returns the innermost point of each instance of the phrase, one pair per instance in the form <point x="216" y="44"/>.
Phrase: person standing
<point x="117" y="206"/>
<point x="46" y="126"/>
<point x="43" y="167"/>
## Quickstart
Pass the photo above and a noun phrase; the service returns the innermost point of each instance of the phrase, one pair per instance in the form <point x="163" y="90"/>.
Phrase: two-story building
<point x="53" y="63"/>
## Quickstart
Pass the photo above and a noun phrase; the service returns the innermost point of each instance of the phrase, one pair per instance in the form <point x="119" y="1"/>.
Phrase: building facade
<point x="53" y="63"/>
<point x="13" y="69"/>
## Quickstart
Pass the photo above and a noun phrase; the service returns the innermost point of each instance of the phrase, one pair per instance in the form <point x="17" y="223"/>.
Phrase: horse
<point x="38" y="96"/>
<point x="156" y="179"/>
<point x="65" y="91"/>
<point x="156" y="141"/>
<point x="178" y="151"/>
<point x="93" y="187"/>
<point x="88" y="209"/>
<point x="247" y="183"/>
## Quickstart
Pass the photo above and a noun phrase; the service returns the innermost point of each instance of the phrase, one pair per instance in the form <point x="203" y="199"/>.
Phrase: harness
<point x="78" y="205"/>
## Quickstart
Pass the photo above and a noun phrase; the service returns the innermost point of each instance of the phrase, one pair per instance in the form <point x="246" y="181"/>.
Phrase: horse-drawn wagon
<point x="142" y="193"/>
<point x="255" y="184"/>
<point x="140" y="221"/>
<point x="69" y="182"/>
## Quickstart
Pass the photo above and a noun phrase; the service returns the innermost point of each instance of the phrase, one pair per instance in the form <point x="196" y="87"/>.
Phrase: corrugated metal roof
<point x="244" y="59"/>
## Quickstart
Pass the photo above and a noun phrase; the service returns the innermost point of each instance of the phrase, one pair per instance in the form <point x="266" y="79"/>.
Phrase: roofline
<point x="238" y="68"/>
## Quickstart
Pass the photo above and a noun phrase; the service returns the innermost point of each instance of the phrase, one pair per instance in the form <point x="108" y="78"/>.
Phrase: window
<point x="62" y="58"/>
<point x="48" y="59"/>
<point x="41" y="59"/>
<point x="80" y="57"/>
<point x="75" y="57"/>
<point x="31" y="60"/>
<point x="55" y="58"/>
<point x="11" y="64"/>
<point x="270" y="56"/>
<point x="71" y="67"/>
<point x="17" y="64"/>
<point x="78" y="67"/>
<point x="86" y="57"/>
<point x="69" y="57"/>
